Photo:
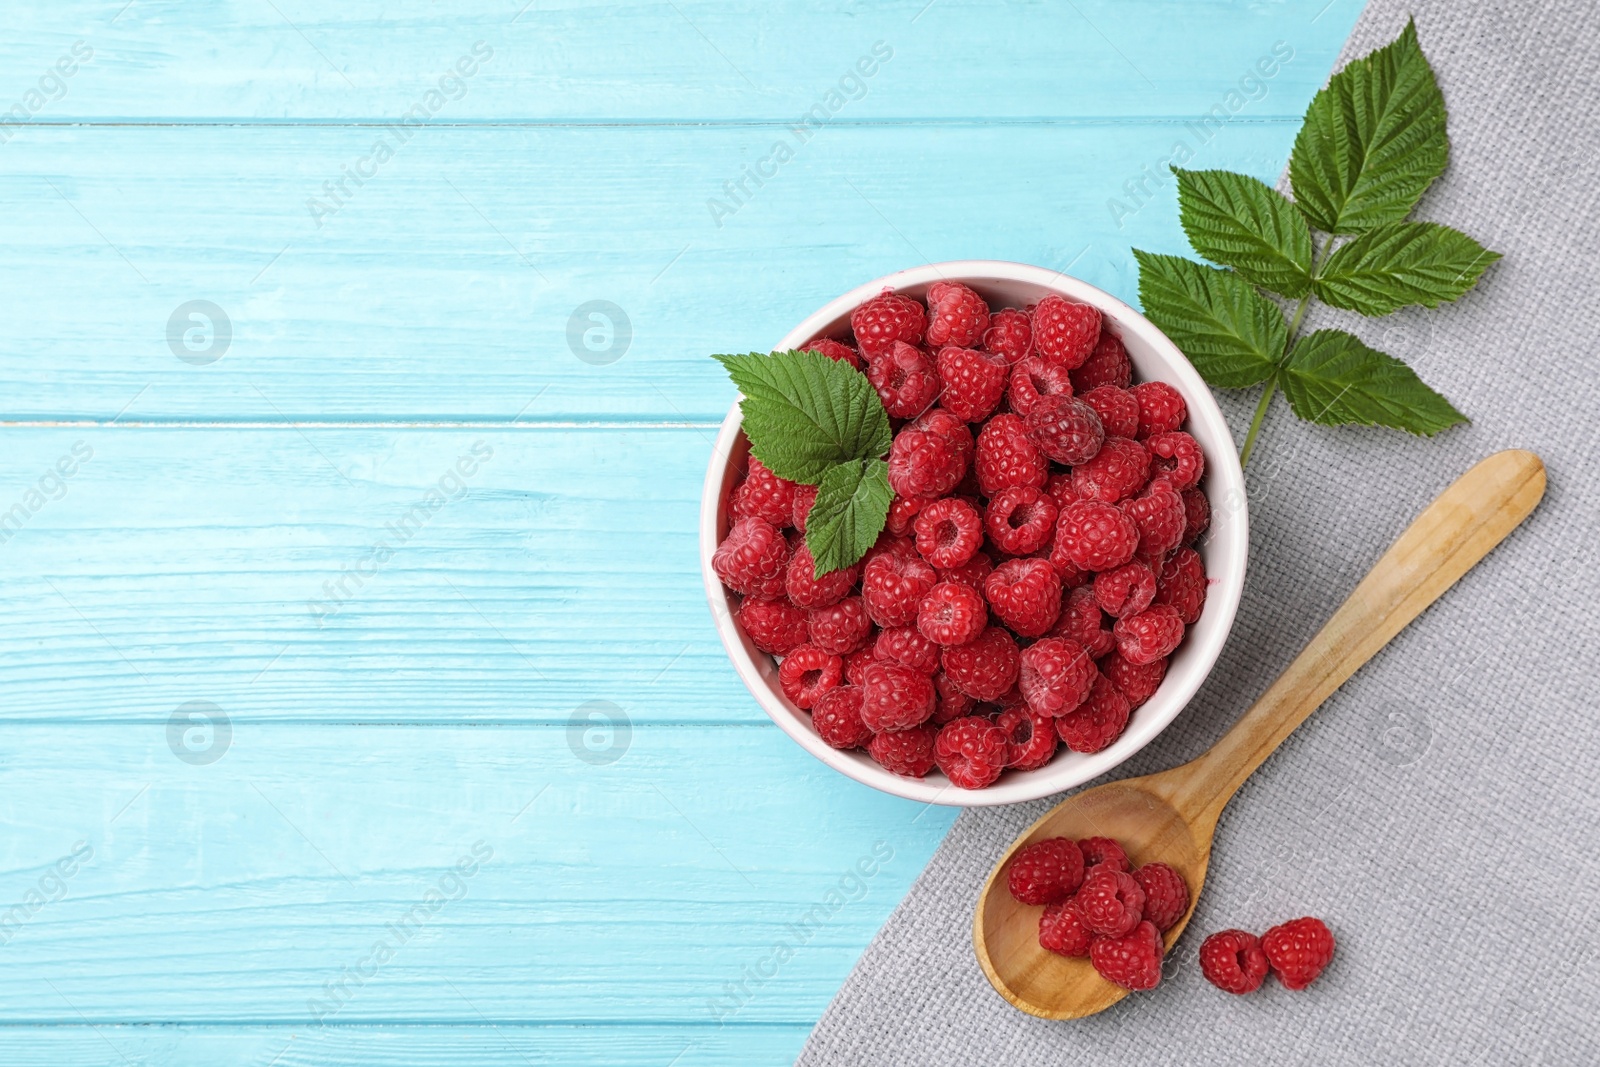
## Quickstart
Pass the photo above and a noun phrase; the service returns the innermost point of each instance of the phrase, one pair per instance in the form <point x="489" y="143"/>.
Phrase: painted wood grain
<point x="500" y="1045"/>
<point x="358" y="874"/>
<point x="667" y="61"/>
<point x="358" y="575"/>
<point x="454" y="284"/>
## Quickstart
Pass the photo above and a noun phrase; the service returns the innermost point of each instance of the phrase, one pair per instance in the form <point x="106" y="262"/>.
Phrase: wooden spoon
<point x="1172" y="816"/>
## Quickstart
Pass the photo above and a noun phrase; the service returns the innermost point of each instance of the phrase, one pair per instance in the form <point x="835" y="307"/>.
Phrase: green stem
<point x="1272" y="382"/>
<point x="1255" y="421"/>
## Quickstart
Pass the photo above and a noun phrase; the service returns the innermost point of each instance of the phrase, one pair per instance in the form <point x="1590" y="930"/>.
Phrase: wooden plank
<point x="505" y="877"/>
<point x="453" y="285"/>
<point x="246" y="567"/>
<point x="502" y="1045"/>
<point x="294" y="59"/>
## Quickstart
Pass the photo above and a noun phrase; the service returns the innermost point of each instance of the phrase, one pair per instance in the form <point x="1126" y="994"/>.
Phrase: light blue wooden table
<point x="362" y="704"/>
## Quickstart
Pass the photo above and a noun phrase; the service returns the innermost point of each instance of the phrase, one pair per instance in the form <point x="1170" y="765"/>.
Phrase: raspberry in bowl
<point x="1060" y="565"/>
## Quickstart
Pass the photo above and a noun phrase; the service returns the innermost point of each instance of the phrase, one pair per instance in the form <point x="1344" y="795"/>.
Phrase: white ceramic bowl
<point x="1224" y="550"/>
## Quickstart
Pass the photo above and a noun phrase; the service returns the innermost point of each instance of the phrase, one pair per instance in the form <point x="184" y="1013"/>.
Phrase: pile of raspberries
<point x="1036" y="569"/>
<point x="1097" y="905"/>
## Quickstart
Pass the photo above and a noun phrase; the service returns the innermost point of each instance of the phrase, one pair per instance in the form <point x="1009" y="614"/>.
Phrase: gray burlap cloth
<point x="1440" y="811"/>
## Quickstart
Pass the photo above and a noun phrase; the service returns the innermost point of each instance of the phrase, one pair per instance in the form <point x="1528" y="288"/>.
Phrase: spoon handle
<point x="1453" y="533"/>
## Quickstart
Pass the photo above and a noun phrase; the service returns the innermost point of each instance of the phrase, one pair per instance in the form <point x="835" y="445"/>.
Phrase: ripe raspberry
<point x="1166" y="894"/>
<point x="809" y="591"/>
<point x="752" y="559"/>
<point x="1033" y="379"/>
<point x="1137" y="682"/>
<point x="1181" y="584"/>
<point x="776" y="627"/>
<point x="764" y="495"/>
<point x="948" y="426"/>
<point x="1117" y="408"/>
<point x="1063" y="931"/>
<point x="837" y="718"/>
<point x="1298" y="950"/>
<point x="906" y="646"/>
<point x="949" y="531"/>
<point x="1232" y="961"/>
<point x="1065" y="332"/>
<point x="1103" y="851"/>
<point x="807" y="673"/>
<point x="1060" y="489"/>
<point x="834" y="350"/>
<point x="1010" y="334"/>
<point x="1007" y="457"/>
<point x="986" y="667"/>
<point x="840" y="628"/>
<point x="972" y="572"/>
<point x="905" y="380"/>
<point x="923" y="465"/>
<point x="886" y="319"/>
<point x="1119" y="470"/>
<point x="952" y="702"/>
<point x="971" y="382"/>
<point x="1150" y="635"/>
<point x="1083" y="621"/>
<point x="1055" y="676"/>
<point x="1197" y="514"/>
<point x="1112" y="901"/>
<point x="1107" y="365"/>
<point x="908" y="753"/>
<point x="1127" y="590"/>
<point x="1026" y="594"/>
<point x="958" y="316"/>
<point x="1096" y="536"/>
<point x="1098" y="721"/>
<point x="894" y="697"/>
<point x="1020" y="520"/>
<point x="1178" y="456"/>
<point x="952" y="614"/>
<point x="856" y="662"/>
<point x="1046" y="872"/>
<point x="1030" y="738"/>
<point x="893" y="587"/>
<point x="903" y="511"/>
<point x="1133" y="961"/>
<point x="1072" y="575"/>
<point x="971" y="752"/>
<point x="1158" y="512"/>
<point x="1161" y="408"/>
<point x="804" y="497"/>
<point x="1065" y="429"/>
<point x="888" y="544"/>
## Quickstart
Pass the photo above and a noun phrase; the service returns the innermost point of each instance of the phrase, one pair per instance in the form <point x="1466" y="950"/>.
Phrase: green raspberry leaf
<point x="852" y="505"/>
<point x="1243" y="223"/>
<point x="1373" y="140"/>
<point x="1332" y="378"/>
<point x="1232" y="334"/>
<point x="804" y="412"/>
<point x="1402" y="263"/>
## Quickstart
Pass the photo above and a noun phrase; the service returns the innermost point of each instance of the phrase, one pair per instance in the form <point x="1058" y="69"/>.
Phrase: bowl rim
<point x="1226" y="485"/>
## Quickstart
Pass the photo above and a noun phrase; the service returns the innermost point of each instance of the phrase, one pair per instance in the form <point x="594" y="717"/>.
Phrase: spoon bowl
<point x="1171" y="817"/>
<point x="1006" y="932"/>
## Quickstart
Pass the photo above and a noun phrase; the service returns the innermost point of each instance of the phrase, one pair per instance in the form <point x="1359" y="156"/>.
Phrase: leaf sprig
<point x="1373" y="141"/>
<point x="818" y="421"/>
